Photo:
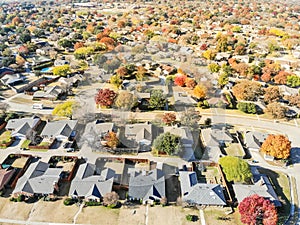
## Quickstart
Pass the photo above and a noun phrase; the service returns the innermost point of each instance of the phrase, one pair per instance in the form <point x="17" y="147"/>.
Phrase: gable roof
<point x="254" y="139"/>
<point x="38" y="179"/>
<point x="139" y="131"/>
<point x="50" y="92"/>
<point x="200" y="193"/>
<point x="22" y="126"/>
<point x="14" y="124"/>
<point x="61" y="127"/>
<point x="87" y="184"/>
<point x="261" y="187"/>
<point x="147" y="186"/>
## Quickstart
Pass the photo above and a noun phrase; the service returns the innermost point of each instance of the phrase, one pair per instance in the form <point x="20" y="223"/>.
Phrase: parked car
<point x="70" y="150"/>
<point x="67" y="145"/>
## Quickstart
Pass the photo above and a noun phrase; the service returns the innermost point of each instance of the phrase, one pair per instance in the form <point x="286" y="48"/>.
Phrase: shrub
<point x="93" y="203"/>
<point x="20" y="198"/>
<point x="192" y="218"/>
<point x="69" y="201"/>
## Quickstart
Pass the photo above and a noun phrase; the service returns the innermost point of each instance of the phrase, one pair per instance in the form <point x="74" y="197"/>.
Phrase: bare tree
<point x="111" y="199"/>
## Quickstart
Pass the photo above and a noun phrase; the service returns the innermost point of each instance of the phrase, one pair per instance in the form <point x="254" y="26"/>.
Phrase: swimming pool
<point x="45" y="70"/>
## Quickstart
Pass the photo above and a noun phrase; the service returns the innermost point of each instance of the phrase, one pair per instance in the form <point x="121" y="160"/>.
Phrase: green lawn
<point x="5" y="137"/>
<point x="281" y="186"/>
<point x="235" y="149"/>
<point x="25" y="144"/>
<point x="44" y="144"/>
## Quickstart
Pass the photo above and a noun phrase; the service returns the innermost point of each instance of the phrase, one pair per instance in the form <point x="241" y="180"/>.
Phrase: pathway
<point x="78" y="212"/>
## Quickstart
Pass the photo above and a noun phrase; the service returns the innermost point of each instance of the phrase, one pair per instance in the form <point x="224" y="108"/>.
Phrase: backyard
<point x="5" y="139"/>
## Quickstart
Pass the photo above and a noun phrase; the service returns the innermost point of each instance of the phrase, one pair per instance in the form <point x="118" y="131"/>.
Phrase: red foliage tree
<point x="105" y="97"/>
<point x="266" y="77"/>
<point x="203" y="47"/>
<point x="169" y="118"/>
<point x="180" y="80"/>
<point x="255" y="209"/>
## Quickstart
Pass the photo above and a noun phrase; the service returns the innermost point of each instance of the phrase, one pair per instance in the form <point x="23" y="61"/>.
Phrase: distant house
<point x="261" y="186"/>
<point x="12" y="79"/>
<point x="147" y="186"/>
<point x="39" y="180"/>
<point x="91" y="185"/>
<point x="50" y="93"/>
<point x="139" y="135"/>
<point x="21" y="127"/>
<point x="254" y="140"/>
<point x="195" y="193"/>
<point x="61" y="130"/>
<point x="6" y="70"/>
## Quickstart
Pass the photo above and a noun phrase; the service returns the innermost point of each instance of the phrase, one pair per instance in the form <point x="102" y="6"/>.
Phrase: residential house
<point x="102" y="128"/>
<point x="39" y="179"/>
<point x="138" y="136"/>
<point x="187" y="140"/>
<point x="254" y="140"/>
<point x="6" y="70"/>
<point x="91" y="184"/>
<point x="49" y="93"/>
<point x="195" y="193"/>
<point x="213" y="139"/>
<point x="12" y="79"/>
<point x="21" y="127"/>
<point x="147" y="187"/>
<point x="261" y="186"/>
<point x="60" y="130"/>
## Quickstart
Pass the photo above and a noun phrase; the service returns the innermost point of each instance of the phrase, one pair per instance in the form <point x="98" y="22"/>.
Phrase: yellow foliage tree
<point x="200" y="91"/>
<point x="62" y="70"/>
<point x="64" y="109"/>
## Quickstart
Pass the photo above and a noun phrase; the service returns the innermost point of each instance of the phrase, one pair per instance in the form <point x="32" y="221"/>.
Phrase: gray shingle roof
<point x="89" y="185"/>
<point x="261" y="187"/>
<point x="147" y="186"/>
<point x="254" y="139"/>
<point x="61" y="127"/>
<point x="14" y="124"/>
<point x="200" y="193"/>
<point x="38" y="179"/>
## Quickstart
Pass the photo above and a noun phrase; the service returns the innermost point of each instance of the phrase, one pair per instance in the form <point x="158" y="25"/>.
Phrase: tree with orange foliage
<point x="200" y="91"/>
<point x="241" y="69"/>
<point x="278" y="146"/>
<point x="112" y="139"/>
<point x="266" y="77"/>
<point x="90" y="27"/>
<point x="180" y="80"/>
<point x="257" y="210"/>
<point x="16" y="21"/>
<point x="122" y="71"/>
<point x="190" y="83"/>
<point x="78" y="45"/>
<point x="281" y="77"/>
<point x="109" y="42"/>
<point x="169" y="119"/>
